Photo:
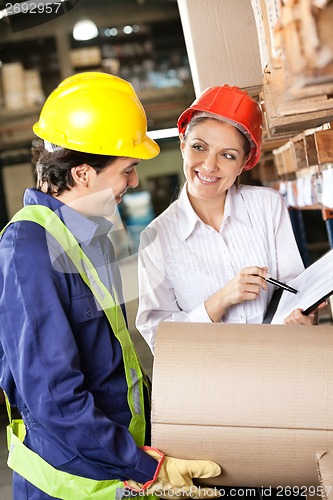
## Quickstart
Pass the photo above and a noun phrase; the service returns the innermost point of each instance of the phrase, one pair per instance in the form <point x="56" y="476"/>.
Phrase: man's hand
<point x="174" y="477"/>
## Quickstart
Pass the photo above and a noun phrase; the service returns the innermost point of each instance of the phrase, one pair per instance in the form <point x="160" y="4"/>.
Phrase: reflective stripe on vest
<point x="24" y="461"/>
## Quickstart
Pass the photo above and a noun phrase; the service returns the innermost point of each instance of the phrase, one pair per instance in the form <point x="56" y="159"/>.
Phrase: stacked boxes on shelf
<point x="86" y="56"/>
<point x="13" y="85"/>
<point x="305" y="164"/>
<point x="20" y="87"/>
<point x="33" y="87"/>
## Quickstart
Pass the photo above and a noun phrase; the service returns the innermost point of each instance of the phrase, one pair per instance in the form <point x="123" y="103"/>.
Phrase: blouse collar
<point x="235" y="208"/>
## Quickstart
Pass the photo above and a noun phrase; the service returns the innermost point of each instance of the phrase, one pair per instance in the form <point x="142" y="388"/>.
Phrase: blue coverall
<point x="60" y="363"/>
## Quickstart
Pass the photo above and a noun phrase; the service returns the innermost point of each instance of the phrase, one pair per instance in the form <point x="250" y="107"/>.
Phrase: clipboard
<point x="316" y="304"/>
<point x="314" y="285"/>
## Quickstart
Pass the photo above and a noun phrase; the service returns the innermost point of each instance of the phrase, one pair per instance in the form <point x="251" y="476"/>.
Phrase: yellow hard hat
<point x="97" y="113"/>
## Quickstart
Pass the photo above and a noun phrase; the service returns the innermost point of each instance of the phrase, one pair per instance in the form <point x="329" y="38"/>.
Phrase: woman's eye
<point x="229" y="156"/>
<point x="197" y="147"/>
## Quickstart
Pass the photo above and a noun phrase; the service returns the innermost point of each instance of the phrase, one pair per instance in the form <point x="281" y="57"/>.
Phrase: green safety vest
<point x="26" y="462"/>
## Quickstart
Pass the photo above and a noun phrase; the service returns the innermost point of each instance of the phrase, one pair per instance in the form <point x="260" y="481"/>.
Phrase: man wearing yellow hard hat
<point x="67" y="362"/>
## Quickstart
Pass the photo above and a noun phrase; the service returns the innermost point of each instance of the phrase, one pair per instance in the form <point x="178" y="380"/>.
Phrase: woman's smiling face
<point x="214" y="155"/>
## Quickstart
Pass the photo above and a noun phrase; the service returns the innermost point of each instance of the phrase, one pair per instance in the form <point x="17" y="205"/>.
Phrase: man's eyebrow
<point x="131" y="165"/>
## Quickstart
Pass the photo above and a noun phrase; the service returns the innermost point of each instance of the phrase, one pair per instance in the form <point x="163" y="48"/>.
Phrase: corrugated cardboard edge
<point x="198" y="369"/>
<point x="324" y="460"/>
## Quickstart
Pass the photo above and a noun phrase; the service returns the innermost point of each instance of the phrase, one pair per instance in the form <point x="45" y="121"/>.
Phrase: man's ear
<point x="80" y="174"/>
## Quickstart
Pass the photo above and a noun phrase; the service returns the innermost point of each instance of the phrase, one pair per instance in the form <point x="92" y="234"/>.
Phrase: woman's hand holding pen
<point x="245" y="285"/>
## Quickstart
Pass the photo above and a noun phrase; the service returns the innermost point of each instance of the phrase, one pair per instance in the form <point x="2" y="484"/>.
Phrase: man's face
<point x="106" y="189"/>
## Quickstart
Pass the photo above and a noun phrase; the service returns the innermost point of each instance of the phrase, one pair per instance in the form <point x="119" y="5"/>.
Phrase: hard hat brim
<point x="145" y="150"/>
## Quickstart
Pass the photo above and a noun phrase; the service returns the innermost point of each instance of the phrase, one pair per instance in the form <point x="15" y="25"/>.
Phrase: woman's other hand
<point x="296" y="317"/>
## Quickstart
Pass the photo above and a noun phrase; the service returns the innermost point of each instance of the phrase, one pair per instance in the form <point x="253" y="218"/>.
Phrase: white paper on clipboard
<point x="313" y="285"/>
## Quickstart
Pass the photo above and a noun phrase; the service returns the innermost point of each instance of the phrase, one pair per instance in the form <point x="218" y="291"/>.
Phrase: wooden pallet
<point x="284" y="114"/>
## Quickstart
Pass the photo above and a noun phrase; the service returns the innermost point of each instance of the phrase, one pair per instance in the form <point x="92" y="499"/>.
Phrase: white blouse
<point x="183" y="261"/>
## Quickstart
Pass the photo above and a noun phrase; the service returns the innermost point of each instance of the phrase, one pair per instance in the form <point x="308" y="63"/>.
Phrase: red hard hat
<point x="236" y="107"/>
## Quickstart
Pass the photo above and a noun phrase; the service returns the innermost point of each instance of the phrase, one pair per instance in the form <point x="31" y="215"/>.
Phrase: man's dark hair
<point x="53" y="170"/>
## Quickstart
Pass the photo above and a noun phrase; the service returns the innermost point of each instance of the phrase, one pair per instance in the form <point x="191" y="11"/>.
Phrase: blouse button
<point x="89" y="313"/>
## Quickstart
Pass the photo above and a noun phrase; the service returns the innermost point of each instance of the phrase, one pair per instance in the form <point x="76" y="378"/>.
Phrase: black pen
<point x="281" y="285"/>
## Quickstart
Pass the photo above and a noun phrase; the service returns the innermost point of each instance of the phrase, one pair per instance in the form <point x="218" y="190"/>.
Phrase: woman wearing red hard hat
<point x="207" y="257"/>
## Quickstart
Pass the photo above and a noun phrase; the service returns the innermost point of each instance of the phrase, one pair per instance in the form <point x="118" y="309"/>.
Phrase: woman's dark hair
<point x="53" y="170"/>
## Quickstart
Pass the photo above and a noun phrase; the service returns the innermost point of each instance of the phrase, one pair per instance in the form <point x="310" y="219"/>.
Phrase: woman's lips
<point x="207" y="179"/>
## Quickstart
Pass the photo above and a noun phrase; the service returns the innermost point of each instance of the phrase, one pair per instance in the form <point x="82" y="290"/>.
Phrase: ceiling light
<point x="163" y="133"/>
<point x="85" y="30"/>
<point x="127" y="30"/>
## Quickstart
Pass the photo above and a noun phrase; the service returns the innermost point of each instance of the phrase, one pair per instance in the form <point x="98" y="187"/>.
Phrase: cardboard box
<point x="33" y="87"/>
<point x="13" y="85"/>
<point x="284" y="114"/>
<point x="256" y="399"/>
<point x="229" y="51"/>
<point x="87" y="56"/>
<point x="325" y="473"/>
